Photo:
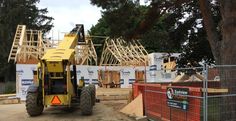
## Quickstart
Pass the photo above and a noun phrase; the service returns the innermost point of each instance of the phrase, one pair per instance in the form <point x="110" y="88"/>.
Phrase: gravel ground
<point x="103" y="111"/>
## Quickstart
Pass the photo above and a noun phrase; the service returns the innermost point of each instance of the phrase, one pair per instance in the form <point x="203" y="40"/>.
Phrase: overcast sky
<point x="68" y="13"/>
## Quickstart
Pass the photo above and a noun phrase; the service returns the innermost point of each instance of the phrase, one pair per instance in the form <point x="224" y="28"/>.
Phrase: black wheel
<point x="93" y="93"/>
<point x="85" y="101"/>
<point x="34" y="105"/>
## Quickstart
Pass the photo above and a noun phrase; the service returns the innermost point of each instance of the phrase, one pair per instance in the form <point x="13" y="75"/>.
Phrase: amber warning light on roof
<point x="56" y="100"/>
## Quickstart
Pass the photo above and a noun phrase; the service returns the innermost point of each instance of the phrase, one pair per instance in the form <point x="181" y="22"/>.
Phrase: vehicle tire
<point x="93" y="93"/>
<point x="85" y="101"/>
<point x="34" y="104"/>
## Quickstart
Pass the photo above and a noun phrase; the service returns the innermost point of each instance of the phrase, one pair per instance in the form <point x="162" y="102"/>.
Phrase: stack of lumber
<point x="9" y="99"/>
<point x="113" y="93"/>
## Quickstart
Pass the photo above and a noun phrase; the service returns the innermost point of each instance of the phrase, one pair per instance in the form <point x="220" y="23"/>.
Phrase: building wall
<point x="24" y="75"/>
<point x="24" y="78"/>
<point x="155" y="72"/>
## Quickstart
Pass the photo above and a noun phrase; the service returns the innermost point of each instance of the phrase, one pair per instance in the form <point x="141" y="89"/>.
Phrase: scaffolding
<point x="118" y="52"/>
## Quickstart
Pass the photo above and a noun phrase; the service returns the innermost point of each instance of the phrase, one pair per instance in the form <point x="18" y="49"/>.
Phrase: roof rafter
<point x="119" y="52"/>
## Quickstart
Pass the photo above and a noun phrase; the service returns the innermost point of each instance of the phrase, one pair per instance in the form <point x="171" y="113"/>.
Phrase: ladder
<point x="17" y="42"/>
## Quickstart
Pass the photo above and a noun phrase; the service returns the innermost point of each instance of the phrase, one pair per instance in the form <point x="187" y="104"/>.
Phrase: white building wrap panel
<point x="24" y="74"/>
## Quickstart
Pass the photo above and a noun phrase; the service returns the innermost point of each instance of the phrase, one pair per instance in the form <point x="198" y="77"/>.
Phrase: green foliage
<point x="101" y="29"/>
<point x="157" y="39"/>
<point x="12" y="13"/>
<point x="10" y="87"/>
<point x="110" y="5"/>
<point x="195" y="47"/>
<point x="162" y="26"/>
<point x="112" y="23"/>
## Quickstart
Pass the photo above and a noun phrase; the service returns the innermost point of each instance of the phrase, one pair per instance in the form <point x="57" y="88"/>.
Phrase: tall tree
<point x="162" y="26"/>
<point x="12" y="13"/>
<point x="219" y="20"/>
<point x="223" y="48"/>
<point x="100" y="29"/>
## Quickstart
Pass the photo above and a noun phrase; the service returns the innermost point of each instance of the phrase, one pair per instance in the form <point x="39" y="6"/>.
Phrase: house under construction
<point x="29" y="45"/>
<point x="118" y="52"/>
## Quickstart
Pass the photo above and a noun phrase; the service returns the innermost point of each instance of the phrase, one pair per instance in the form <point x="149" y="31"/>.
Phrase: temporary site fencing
<point x="196" y="94"/>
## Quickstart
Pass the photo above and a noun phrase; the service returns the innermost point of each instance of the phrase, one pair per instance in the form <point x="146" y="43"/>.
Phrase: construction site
<point x="70" y="79"/>
<point x="134" y="84"/>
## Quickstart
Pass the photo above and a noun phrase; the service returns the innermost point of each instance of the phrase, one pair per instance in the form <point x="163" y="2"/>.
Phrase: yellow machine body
<point x="55" y="72"/>
<point x="56" y="81"/>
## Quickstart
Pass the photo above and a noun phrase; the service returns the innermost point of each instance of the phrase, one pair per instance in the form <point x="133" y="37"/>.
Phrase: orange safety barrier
<point x="155" y="103"/>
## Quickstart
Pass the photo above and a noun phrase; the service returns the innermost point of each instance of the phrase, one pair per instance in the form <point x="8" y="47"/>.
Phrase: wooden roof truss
<point x="119" y="52"/>
<point x="86" y="53"/>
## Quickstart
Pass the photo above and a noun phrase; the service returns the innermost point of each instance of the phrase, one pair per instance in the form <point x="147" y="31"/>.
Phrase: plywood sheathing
<point x="135" y="108"/>
<point x="106" y="77"/>
<point x="139" y="76"/>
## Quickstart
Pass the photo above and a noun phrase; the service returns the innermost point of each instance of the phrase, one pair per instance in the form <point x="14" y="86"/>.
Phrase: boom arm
<point x="57" y="78"/>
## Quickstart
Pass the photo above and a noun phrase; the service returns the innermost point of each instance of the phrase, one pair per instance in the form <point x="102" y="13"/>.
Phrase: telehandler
<point x="56" y="83"/>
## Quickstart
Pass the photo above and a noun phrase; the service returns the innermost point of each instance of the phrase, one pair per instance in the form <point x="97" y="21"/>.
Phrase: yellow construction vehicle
<point x="56" y="83"/>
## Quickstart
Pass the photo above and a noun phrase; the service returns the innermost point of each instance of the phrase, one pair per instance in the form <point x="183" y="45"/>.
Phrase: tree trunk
<point x="228" y="50"/>
<point x="224" y="51"/>
<point x="210" y="27"/>
<point x="228" y="28"/>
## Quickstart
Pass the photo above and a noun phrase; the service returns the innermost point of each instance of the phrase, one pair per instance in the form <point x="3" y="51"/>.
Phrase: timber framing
<point x="27" y="44"/>
<point x="30" y="45"/>
<point x="86" y="53"/>
<point x="118" y="52"/>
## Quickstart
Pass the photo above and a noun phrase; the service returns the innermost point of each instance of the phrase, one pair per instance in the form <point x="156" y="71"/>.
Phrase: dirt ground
<point x="103" y="111"/>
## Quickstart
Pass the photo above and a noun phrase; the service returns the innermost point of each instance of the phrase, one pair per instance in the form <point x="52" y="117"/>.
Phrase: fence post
<point x="204" y="94"/>
<point x="205" y="86"/>
<point x="207" y="67"/>
<point x="145" y="89"/>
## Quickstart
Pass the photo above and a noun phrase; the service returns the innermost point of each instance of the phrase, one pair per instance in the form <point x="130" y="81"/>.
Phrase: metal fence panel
<point x="221" y="102"/>
<point x="211" y="95"/>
